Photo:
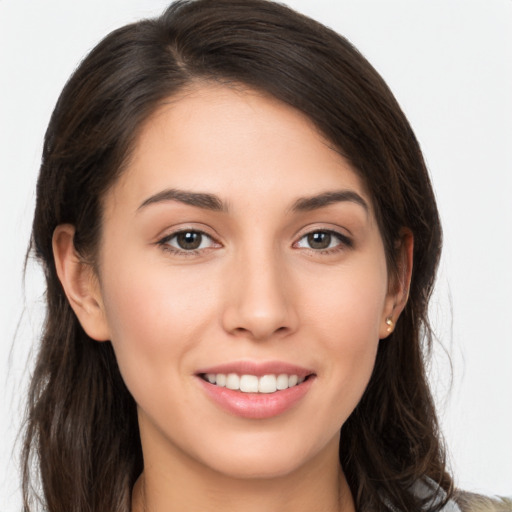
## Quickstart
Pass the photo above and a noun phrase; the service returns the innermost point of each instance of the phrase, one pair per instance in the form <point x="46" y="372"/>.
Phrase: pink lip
<point x="257" y="405"/>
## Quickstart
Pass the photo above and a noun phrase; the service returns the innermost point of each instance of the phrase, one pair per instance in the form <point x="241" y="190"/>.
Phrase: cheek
<point x="345" y="317"/>
<point x="154" y="321"/>
<point x="347" y="303"/>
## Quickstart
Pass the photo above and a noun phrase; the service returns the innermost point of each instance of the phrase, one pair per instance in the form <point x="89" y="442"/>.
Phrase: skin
<point x="255" y="290"/>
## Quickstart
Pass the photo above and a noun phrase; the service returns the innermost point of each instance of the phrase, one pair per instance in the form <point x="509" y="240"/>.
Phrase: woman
<point x="240" y="239"/>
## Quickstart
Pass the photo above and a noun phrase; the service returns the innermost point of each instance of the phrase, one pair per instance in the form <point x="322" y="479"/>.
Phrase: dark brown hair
<point x="81" y="429"/>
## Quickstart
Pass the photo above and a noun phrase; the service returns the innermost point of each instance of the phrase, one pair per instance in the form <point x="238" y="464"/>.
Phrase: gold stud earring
<point x="390" y="324"/>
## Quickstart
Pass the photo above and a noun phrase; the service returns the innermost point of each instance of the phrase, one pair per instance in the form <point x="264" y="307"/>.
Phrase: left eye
<point x="320" y="240"/>
<point x="188" y="241"/>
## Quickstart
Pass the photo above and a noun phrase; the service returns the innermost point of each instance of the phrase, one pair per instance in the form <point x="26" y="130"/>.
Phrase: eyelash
<point x="164" y="243"/>
<point x="344" y="242"/>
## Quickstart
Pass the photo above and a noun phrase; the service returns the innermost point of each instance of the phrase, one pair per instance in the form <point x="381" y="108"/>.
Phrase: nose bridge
<point x="259" y="304"/>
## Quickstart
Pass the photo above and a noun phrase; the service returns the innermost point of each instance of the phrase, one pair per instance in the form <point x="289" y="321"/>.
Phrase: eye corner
<point x="324" y="241"/>
<point x="188" y="242"/>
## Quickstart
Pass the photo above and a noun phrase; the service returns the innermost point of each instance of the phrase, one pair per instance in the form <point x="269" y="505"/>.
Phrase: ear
<point x="399" y="284"/>
<point x="80" y="284"/>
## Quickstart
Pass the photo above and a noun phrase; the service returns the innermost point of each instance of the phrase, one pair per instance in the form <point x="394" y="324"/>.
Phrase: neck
<point x="320" y="486"/>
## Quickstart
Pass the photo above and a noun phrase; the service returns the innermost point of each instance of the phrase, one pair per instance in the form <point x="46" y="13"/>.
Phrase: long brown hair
<point x="81" y="430"/>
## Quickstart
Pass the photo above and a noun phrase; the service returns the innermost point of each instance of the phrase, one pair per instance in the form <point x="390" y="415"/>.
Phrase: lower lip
<point x="257" y="405"/>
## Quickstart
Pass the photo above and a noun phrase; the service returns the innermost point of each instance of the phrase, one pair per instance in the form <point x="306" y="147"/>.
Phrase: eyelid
<point x="163" y="241"/>
<point x="345" y="241"/>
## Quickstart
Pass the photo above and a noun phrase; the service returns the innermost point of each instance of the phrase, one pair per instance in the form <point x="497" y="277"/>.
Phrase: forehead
<point x="227" y="140"/>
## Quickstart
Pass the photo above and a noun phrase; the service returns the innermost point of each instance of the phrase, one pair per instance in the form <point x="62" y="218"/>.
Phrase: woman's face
<point x="239" y="248"/>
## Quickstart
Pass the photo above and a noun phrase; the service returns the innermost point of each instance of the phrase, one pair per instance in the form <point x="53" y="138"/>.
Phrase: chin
<point x="262" y="467"/>
<point x="269" y="458"/>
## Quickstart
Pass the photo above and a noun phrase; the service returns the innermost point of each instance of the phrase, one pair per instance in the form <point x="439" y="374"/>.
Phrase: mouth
<point x="248" y="383"/>
<point x="256" y="390"/>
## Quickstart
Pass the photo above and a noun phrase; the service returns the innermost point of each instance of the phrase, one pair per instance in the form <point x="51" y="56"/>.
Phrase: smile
<point x="252" y="383"/>
<point x="255" y="390"/>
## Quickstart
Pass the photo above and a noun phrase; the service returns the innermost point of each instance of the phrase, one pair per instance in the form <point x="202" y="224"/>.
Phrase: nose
<point x="259" y="303"/>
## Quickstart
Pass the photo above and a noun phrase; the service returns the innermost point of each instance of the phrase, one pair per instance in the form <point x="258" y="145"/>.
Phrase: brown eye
<point x="319" y="240"/>
<point x="189" y="240"/>
<point x="324" y="241"/>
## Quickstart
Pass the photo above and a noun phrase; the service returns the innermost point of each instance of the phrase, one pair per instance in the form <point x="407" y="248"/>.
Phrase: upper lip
<point x="258" y="368"/>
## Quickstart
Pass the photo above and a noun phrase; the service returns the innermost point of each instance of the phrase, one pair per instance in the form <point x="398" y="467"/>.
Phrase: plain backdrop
<point x="449" y="63"/>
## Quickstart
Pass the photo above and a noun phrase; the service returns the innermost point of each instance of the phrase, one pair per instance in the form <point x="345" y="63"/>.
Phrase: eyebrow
<point x="197" y="199"/>
<point x="306" y="204"/>
<point x="214" y="203"/>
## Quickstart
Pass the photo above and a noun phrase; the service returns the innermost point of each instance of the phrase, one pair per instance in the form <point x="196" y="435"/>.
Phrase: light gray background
<point x="449" y="62"/>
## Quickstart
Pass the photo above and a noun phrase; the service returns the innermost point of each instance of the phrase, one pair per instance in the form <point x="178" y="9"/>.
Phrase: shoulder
<point x="460" y="501"/>
<point x="470" y="502"/>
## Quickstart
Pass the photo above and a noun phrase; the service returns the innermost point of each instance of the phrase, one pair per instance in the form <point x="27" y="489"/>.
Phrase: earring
<point x="390" y="324"/>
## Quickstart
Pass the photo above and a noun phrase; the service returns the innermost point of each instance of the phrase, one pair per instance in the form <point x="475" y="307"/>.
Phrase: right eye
<point x="187" y="241"/>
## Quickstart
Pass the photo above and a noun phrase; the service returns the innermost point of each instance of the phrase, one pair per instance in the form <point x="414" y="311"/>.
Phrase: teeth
<point x="249" y="383"/>
<point x="267" y="384"/>
<point x="233" y="381"/>
<point x="282" y="381"/>
<point x="252" y="383"/>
